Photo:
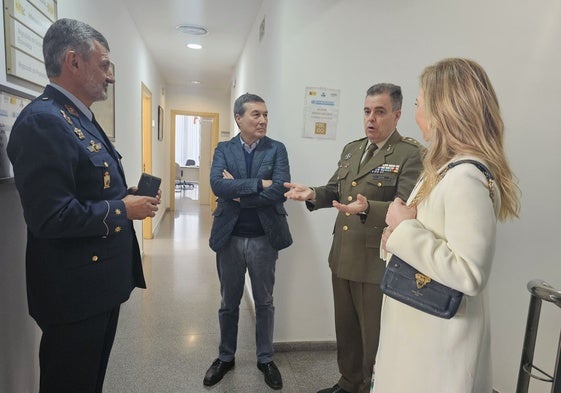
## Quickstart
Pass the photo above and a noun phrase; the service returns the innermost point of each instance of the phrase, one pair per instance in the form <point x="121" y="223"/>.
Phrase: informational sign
<point x="26" y="22"/>
<point x="11" y="104"/>
<point x="321" y="112"/>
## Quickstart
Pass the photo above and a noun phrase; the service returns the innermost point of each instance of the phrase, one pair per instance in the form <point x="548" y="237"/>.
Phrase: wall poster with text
<point x="321" y="112"/>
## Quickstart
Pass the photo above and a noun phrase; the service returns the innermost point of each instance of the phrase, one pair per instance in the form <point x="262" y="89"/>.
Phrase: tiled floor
<point x="168" y="334"/>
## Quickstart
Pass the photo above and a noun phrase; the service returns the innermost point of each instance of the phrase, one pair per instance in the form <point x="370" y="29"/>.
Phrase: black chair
<point x="190" y="162"/>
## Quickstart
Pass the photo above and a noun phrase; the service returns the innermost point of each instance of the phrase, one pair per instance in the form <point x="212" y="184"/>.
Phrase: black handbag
<point x="404" y="283"/>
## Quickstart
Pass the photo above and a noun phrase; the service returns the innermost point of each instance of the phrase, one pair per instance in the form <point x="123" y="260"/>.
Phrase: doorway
<point x="194" y="135"/>
<point x="146" y="115"/>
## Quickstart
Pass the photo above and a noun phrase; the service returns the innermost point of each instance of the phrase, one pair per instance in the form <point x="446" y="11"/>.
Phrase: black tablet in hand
<point x="148" y="185"/>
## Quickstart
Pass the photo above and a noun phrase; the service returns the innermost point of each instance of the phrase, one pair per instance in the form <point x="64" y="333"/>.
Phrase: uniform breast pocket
<point x="96" y="175"/>
<point x="386" y="183"/>
<point x="342" y="172"/>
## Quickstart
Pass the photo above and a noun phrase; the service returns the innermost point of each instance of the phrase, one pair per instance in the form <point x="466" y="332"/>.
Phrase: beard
<point x="96" y="91"/>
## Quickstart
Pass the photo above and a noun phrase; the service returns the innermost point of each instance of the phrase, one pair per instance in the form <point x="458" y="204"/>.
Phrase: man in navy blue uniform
<point x="249" y="229"/>
<point x="82" y="258"/>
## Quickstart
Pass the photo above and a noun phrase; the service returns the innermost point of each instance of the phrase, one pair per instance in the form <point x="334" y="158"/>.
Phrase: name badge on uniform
<point x="386" y="168"/>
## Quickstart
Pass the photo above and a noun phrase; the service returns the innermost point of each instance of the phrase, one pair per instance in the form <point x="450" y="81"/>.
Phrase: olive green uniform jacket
<point x="392" y="172"/>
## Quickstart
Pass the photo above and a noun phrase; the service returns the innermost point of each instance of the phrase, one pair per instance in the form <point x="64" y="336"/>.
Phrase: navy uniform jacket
<point x="391" y="173"/>
<point x="82" y="254"/>
<point x="270" y="162"/>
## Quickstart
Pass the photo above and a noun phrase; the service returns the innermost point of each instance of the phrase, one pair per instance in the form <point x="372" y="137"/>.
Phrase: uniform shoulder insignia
<point x="355" y="141"/>
<point x="411" y="141"/>
<point x="45" y="98"/>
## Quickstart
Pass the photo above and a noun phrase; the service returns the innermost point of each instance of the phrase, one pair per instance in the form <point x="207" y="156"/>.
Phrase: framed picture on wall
<point x="160" y="123"/>
<point x="11" y="104"/>
<point x="25" y="25"/>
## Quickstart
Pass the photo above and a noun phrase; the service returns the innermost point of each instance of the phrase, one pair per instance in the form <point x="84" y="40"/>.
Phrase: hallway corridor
<point x="168" y="334"/>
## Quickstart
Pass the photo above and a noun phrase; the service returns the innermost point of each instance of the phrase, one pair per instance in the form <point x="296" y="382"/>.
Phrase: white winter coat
<point x="452" y="240"/>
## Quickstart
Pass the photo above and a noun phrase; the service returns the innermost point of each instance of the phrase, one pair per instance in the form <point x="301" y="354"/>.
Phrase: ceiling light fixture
<point x="196" y="82"/>
<point x="194" y="46"/>
<point x="192" y="29"/>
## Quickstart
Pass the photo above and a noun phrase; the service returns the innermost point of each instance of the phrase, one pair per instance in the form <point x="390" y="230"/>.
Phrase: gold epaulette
<point x="411" y="141"/>
<point x="356" y="140"/>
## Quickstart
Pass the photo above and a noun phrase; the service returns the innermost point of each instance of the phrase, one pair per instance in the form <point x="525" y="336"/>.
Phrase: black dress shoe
<point x="217" y="371"/>
<point x="335" y="389"/>
<point x="272" y="374"/>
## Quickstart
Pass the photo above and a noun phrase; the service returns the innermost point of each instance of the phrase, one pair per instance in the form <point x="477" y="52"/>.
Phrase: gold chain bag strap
<point x="404" y="283"/>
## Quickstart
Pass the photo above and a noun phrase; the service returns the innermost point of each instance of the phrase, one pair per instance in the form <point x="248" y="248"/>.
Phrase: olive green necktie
<point x="368" y="155"/>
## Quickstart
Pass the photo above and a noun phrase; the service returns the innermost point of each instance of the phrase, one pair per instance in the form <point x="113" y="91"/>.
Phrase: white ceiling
<point x="228" y="22"/>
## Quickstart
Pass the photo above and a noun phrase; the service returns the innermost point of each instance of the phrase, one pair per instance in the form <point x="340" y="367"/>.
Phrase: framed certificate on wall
<point x="11" y="104"/>
<point x="25" y="25"/>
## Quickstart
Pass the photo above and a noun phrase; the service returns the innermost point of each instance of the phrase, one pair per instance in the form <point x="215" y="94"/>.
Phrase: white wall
<point x="350" y="45"/>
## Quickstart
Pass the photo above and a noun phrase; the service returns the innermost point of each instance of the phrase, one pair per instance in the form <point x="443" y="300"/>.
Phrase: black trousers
<point x="73" y="356"/>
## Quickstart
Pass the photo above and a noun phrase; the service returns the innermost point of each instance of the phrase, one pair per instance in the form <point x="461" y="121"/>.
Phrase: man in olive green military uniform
<point x="371" y="173"/>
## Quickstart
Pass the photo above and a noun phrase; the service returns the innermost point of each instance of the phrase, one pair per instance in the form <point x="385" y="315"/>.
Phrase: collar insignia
<point x="71" y="110"/>
<point x="68" y="120"/>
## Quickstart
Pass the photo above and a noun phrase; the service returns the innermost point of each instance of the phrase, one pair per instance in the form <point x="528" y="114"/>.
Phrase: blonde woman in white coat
<point x="447" y="231"/>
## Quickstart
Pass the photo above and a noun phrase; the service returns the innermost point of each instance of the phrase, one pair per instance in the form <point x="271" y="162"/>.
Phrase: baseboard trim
<point x="305" y="346"/>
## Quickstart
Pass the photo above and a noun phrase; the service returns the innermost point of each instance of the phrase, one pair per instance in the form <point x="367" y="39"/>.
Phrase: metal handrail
<point x="544" y="291"/>
<point x="540" y="291"/>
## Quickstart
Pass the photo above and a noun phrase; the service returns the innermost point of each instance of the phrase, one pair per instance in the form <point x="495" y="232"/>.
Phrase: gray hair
<point x="68" y="34"/>
<point x="239" y="104"/>
<point x="394" y="91"/>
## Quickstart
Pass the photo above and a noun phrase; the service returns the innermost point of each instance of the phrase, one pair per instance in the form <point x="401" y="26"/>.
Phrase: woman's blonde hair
<point x="463" y="118"/>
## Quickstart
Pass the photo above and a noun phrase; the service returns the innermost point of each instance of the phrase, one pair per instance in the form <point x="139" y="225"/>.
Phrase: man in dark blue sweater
<point x="249" y="228"/>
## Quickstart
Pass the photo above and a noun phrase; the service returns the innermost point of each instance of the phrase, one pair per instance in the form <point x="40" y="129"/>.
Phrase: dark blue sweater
<point x="248" y="224"/>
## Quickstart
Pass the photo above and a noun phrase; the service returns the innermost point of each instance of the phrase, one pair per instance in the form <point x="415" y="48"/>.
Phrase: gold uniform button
<point x="379" y="184"/>
<point x="347" y="214"/>
<point x="353" y="184"/>
<point x="349" y="198"/>
<point x="95" y="258"/>
<point x="345" y="228"/>
<point x="118" y="229"/>
<point x="118" y="212"/>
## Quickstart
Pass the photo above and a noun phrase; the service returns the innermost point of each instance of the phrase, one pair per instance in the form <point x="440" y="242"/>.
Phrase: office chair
<point x="190" y="162"/>
<point x="180" y="184"/>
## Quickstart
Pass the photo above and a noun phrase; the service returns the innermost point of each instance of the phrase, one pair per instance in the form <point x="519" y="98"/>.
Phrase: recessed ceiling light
<point x="192" y="29"/>
<point x="194" y="46"/>
<point x="196" y="82"/>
